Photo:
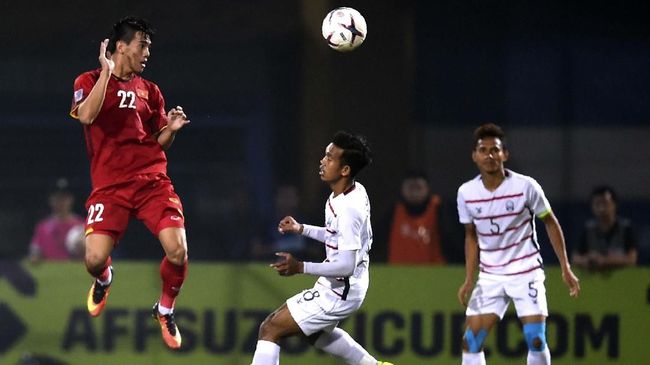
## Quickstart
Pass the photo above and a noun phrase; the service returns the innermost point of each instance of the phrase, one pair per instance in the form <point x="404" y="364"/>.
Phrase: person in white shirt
<point x="498" y="208"/>
<point x="343" y="276"/>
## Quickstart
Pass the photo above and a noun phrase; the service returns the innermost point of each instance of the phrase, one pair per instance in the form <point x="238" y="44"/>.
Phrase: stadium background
<point x="568" y="81"/>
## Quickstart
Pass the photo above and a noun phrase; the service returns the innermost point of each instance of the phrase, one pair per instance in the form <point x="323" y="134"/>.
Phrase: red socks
<point x="104" y="276"/>
<point x="173" y="277"/>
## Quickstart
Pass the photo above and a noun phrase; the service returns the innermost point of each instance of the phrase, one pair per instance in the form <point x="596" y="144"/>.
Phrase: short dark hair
<point x="125" y="30"/>
<point x="601" y="190"/>
<point x="489" y="130"/>
<point x="356" y="151"/>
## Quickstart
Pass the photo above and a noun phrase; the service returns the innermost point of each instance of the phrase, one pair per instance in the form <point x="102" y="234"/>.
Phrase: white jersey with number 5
<point x="347" y="225"/>
<point x="505" y="222"/>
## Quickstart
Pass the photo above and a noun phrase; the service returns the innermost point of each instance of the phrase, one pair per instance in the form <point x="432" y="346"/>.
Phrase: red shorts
<point x="150" y="198"/>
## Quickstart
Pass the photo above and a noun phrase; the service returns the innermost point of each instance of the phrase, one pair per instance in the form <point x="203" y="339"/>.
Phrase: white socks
<point x="340" y="343"/>
<point x="164" y="310"/>
<point x="266" y="353"/>
<point x="539" y="357"/>
<point x="368" y="360"/>
<point x="108" y="280"/>
<point x="473" y="358"/>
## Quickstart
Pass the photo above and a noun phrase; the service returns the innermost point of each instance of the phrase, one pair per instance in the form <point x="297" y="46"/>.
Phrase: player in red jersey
<point x="127" y="131"/>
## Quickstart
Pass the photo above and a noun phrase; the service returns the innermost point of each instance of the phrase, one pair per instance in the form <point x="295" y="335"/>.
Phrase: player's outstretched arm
<point x="176" y="119"/>
<point x="471" y="263"/>
<point x="89" y="108"/>
<point x="556" y="236"/>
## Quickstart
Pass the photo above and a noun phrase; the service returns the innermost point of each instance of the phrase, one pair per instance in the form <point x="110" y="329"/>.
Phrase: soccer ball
<point x="344" y="29"/>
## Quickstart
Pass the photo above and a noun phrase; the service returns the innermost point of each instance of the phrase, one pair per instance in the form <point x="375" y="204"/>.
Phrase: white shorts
<point x="318" y="309"/>
<point x="492" y="294"/>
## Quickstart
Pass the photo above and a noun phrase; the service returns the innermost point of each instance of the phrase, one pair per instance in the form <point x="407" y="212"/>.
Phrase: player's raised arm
<point x="557" y="241"/>
<point x="471" y="263"/>
<point x="89" y="108"/>
<point x="176" y="119"/>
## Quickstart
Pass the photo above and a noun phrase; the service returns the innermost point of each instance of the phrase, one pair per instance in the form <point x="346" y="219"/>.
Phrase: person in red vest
<point x="414" y="236"/>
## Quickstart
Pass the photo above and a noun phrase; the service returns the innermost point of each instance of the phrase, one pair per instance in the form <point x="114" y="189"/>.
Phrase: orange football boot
<point x="97" y="296"/>
<point x="170" y="333"/>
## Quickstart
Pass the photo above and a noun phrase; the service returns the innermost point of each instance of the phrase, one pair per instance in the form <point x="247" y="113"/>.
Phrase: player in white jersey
<point x="498" y="209"/>
<point x="343" y="276"/>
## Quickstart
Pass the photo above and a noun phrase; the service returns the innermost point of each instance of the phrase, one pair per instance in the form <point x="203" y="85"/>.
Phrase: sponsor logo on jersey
<point x="510" y="205"/>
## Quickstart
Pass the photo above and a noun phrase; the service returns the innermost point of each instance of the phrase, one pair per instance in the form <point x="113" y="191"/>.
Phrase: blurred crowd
<point x="419" y="228"/>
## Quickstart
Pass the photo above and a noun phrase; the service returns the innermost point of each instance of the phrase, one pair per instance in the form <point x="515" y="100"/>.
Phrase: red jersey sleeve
<point x="158" y="120"/>
<point x="83" y="84"/>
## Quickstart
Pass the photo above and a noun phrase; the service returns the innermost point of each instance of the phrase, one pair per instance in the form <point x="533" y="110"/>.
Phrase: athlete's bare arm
<point x="557" y="241"/>
<point x="176" y="119"/>
<point x="471" y="263"/>
<point x="89" y="108"/>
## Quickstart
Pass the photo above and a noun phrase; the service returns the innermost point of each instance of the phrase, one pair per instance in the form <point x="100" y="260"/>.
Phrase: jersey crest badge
<point x="143" y="94"/>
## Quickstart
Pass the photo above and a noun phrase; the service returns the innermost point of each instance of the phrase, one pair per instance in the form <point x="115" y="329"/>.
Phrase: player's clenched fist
<point x="289" y="225"/>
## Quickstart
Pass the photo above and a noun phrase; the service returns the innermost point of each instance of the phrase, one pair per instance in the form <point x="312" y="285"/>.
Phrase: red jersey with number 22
<point x="122" y="140"/>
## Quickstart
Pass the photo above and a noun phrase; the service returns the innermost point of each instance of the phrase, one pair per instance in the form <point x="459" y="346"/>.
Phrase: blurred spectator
<point x="608" y="240"/>
<point x="60" y="236"/>
<point x="270" y="241"/>
<point x="414" y="226"/>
